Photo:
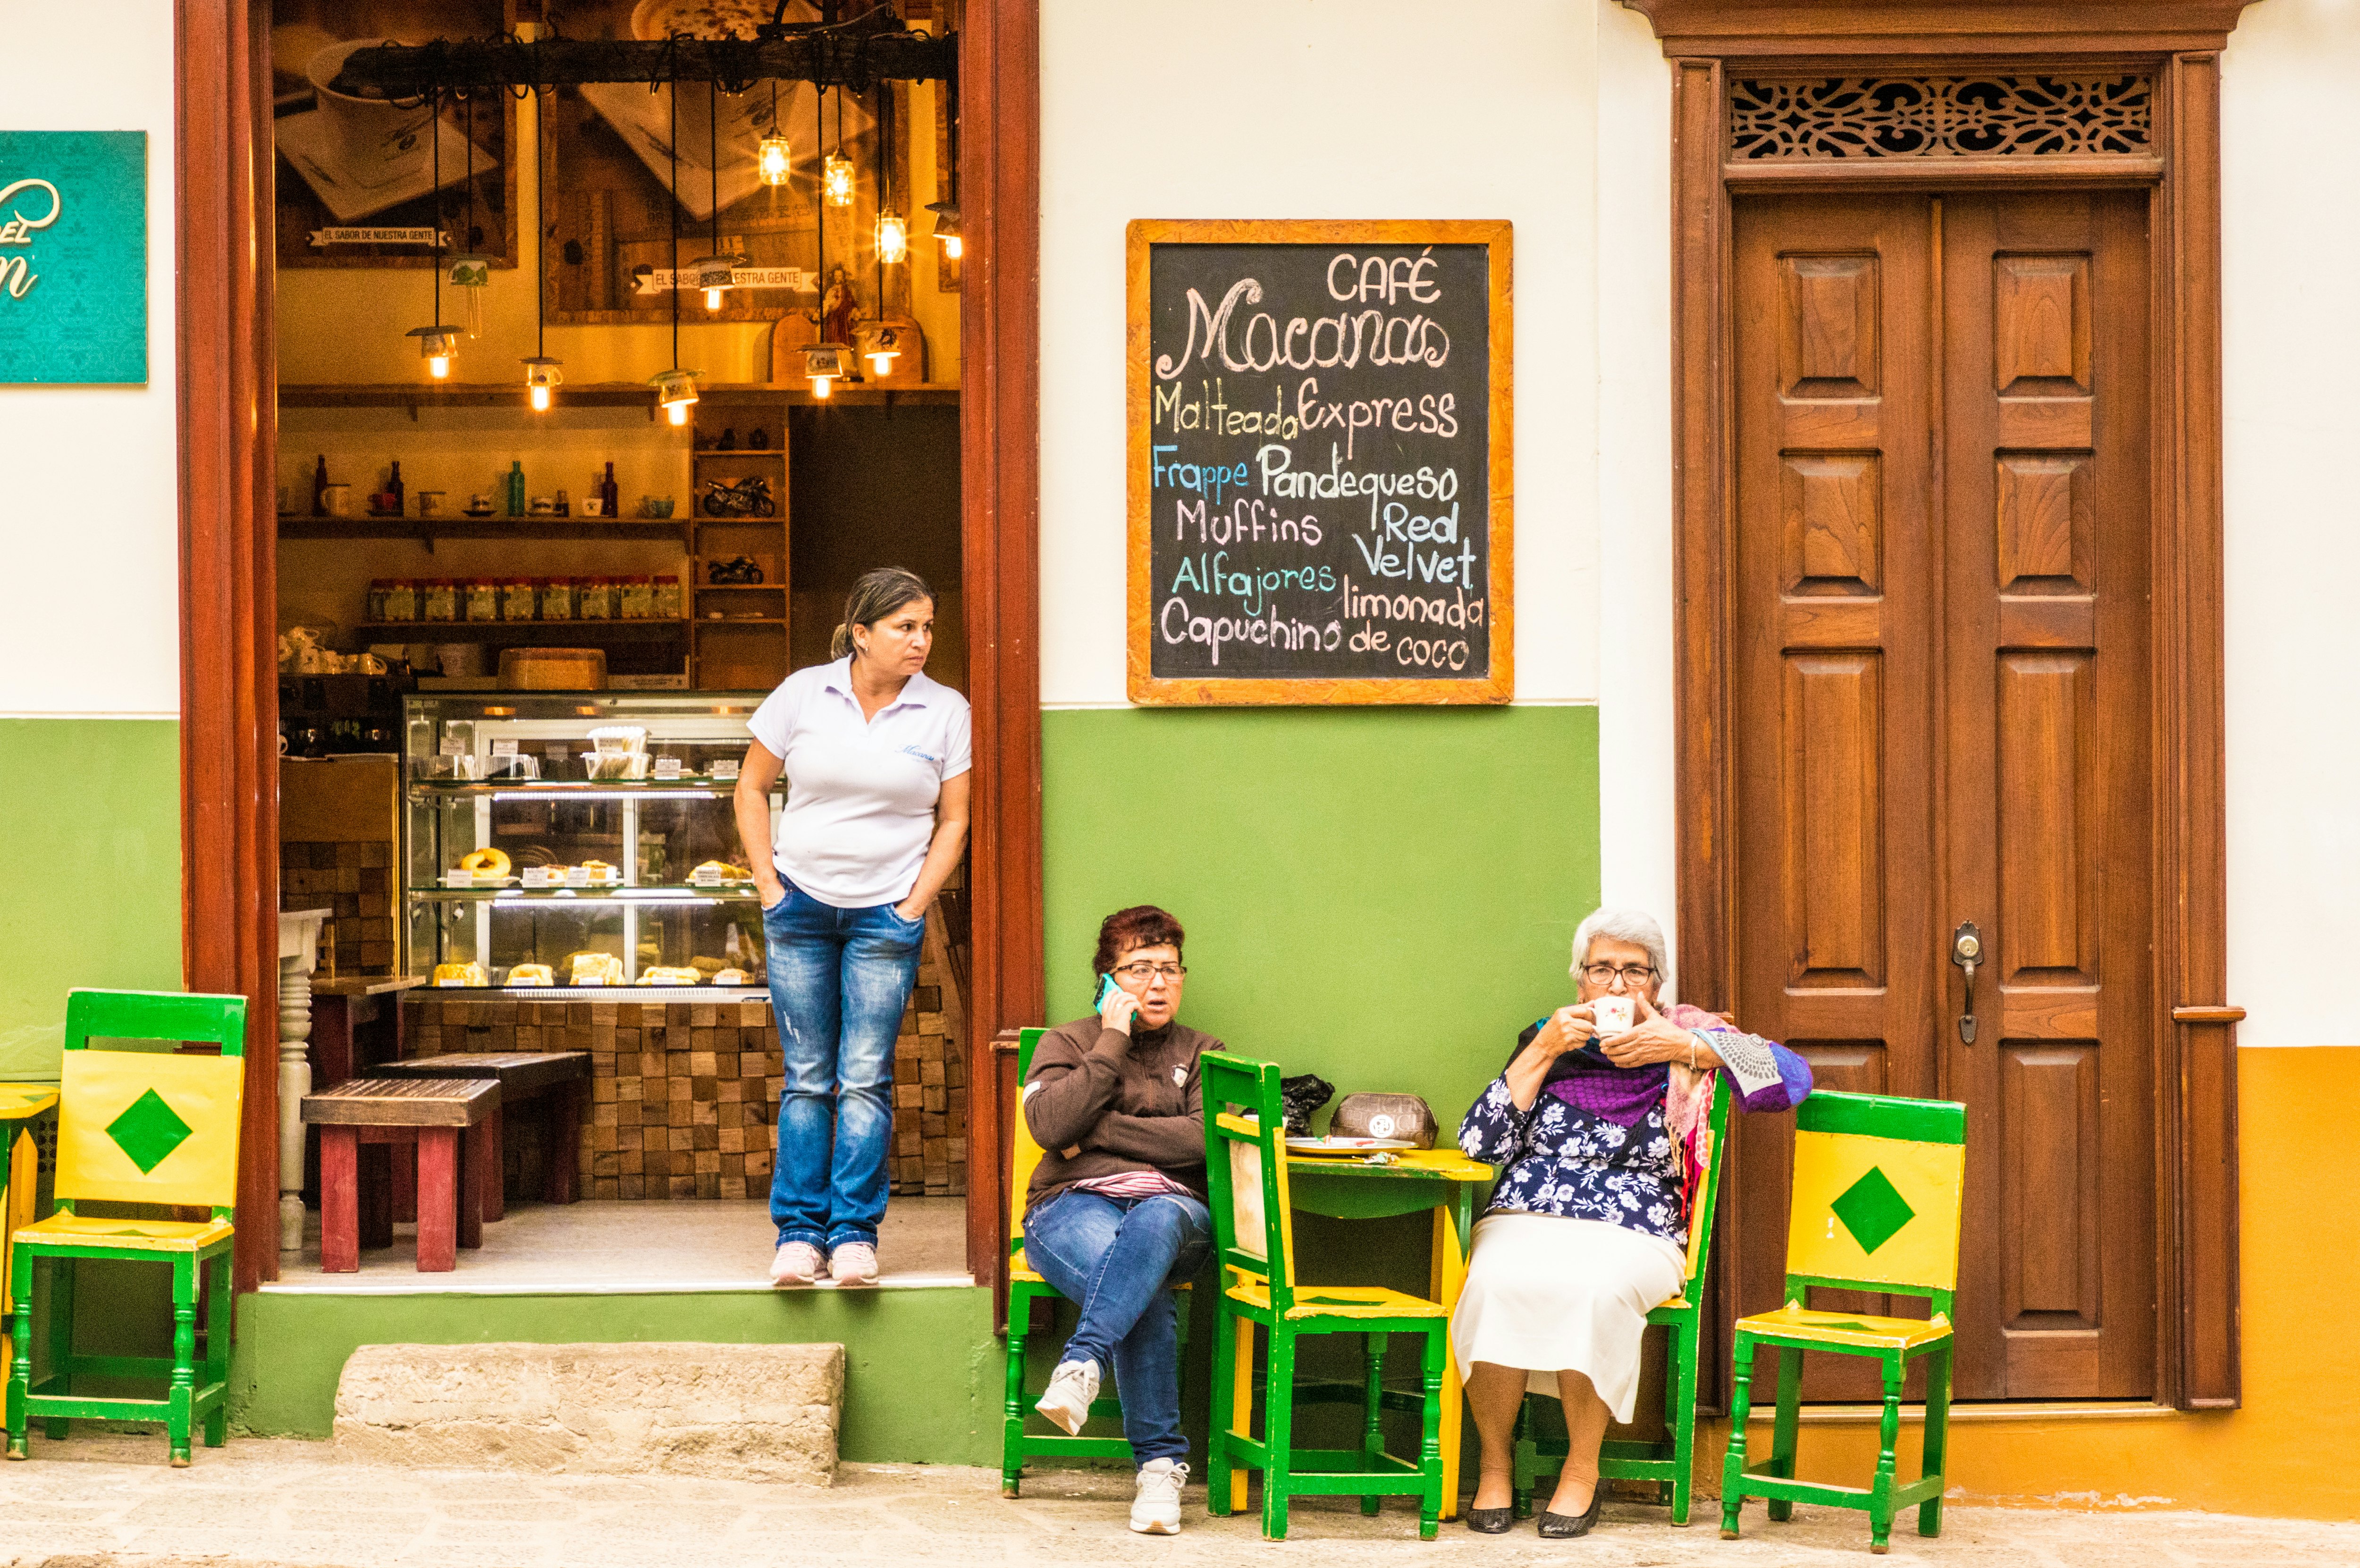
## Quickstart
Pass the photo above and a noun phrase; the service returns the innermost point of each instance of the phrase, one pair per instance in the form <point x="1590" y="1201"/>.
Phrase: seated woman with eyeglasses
<point x="1115" y="1215"/>
<point x="1587" y="1228"/>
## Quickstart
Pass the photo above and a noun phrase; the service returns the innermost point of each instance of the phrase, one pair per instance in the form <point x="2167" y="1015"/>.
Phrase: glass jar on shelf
<point x="557" y="598"/>
<point x="517" y="601"/>
<point x="637" y="601"/>
<point x="595" y="598"/>
<point x="483" y="599"/>
<point x="438" y="599"/>
<point x="401" y="600"/>
<point x="667" y="598"/>
<point x="375" y="613"/>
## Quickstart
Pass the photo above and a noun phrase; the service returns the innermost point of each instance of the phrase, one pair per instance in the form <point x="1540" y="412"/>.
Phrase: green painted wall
<point x="1381" y="896"/>
<point x="923" y="1369"/>
<point x="90" y="890"/>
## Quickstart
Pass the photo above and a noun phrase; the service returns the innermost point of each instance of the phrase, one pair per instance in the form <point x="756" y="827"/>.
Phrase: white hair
<point x="1635" y="926"/>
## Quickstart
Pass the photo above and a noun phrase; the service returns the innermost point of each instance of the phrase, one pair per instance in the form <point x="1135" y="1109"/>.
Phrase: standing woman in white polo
<point x="877" y="759"/>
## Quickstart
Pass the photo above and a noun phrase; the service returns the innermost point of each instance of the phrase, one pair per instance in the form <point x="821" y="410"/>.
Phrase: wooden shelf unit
<point x="739" y="652"/>
<point x="525" y="634"/>
<point x="462" y="526"/>
<point x="777" y="396"/>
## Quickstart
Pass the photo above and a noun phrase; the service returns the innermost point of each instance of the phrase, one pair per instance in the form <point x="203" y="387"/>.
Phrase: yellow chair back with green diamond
<point x="147" y="1126"/>
<point x="1878" y="1188"/>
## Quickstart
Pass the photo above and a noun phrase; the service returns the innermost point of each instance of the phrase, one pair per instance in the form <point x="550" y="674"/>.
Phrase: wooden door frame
<point x="2179" y="42"/>
<point x="228" y="380"/>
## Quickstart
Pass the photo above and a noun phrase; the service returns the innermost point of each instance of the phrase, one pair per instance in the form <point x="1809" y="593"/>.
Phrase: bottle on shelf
<point x="609" y="498"/>
<point x="516" y="488"/>
<point x="393" y="490"/>
<point x="320" y="487"/>
<point x="565" y="508"/>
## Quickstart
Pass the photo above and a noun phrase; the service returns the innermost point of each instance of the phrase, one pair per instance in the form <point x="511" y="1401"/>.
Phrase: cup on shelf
<point x="430" y="503"/>
<point x="338" y="499"/>
<point x="542" y="507"/>
<point x="655" y="506"/>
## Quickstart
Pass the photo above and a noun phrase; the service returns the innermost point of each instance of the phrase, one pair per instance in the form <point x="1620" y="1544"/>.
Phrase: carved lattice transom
<point x="1939" y="117"/>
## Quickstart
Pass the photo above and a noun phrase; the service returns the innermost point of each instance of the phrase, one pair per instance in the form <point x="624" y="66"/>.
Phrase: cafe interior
<point x="612" y="349"/>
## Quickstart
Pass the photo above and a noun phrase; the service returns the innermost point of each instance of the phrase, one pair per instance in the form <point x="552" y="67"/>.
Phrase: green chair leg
<point x="1225" y="1383"/>
<point x="62" y="1356"/>
<point x="1429" y="1442"/>
<point x="1937" y="1432"/>
<point x="1011" y="1419"/>
<point x="1679" y="1382"/>
<point x="1733" y="1468"/>
<point x="1528" y="1462"/>
<point x="179" y="1406"/>
<point x="1278" y="1432"/>
<point x="1372" y="1435"/>
<point x="1888" y="1436"/>
<point x="1783" y="1435"/>
<point x="217" y="1336"/>
<point x="20" y="1373"/>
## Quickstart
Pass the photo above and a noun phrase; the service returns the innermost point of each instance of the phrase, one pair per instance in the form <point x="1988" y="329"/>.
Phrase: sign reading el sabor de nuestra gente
<point x="1320" y="492"/>
<point x="74" y="258"/>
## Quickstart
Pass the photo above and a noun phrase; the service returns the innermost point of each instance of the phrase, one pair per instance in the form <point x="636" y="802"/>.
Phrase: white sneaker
<point x="1156" y="1511"/>
<point x="1072" y="1389"/>
<point x="852" y="1263"/>
<point x="796" y="1263"/>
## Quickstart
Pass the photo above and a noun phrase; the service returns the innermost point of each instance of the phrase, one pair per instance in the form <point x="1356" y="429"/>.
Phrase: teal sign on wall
<point x="74" y="258"/>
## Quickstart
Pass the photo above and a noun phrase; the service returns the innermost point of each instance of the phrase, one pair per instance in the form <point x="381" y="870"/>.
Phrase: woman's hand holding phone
<point x="1117" y="1007"/>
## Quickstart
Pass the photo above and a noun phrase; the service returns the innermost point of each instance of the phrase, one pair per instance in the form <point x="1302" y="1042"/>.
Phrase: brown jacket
<point x="1119" y="1104"/>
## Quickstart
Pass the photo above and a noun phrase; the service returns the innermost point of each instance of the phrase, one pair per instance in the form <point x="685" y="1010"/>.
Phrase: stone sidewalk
<point x="112" y="1500"/>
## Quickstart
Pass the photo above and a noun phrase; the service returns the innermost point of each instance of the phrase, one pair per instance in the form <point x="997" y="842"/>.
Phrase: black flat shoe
<point x="1492" y="1521"/>
<point x="1564" y="1526"/>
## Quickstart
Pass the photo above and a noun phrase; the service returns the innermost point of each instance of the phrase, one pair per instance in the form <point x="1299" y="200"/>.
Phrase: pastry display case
<point x="564" y="844"/>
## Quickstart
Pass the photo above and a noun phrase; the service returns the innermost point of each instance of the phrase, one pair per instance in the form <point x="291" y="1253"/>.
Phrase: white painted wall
<point x="2290" y="227"/>
<point x="91" y="526"/>
<point x="1316" y="109"/>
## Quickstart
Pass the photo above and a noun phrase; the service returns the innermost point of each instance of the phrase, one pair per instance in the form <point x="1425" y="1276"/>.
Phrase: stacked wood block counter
<point x="685" y="1095"/>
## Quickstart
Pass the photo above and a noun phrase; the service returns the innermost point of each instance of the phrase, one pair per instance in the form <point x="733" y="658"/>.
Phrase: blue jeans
<point x="1120" y="1259"/>
<point x="839" y="980"/>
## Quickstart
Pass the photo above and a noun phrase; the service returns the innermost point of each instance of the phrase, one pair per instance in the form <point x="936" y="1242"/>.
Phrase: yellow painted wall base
<point x="2282" y="1455"/>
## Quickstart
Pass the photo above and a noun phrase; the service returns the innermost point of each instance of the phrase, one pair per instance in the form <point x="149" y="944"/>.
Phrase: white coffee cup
<point x="338" y="499"/>
<point x="373" y="138"/>
<point x="1612" y="1015"/>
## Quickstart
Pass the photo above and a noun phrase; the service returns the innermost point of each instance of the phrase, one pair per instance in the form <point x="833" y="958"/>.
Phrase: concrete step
<point x="751" y="1412"/>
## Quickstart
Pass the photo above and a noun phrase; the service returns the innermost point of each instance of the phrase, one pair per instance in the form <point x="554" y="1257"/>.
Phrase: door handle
<point x="1967" y="953"/>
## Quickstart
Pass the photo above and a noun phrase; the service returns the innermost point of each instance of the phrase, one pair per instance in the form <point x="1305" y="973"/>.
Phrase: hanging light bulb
<point x="774" y="160"/>
<point x="946" y="226"/>
<point x="835" y="180"/>
<point x="892" y="237"/>
<point x="822" y="362"/>
<point x="714" y="274"/>
<point x="675" y="390"/>
<point x="540" y="374"/>
<point x="884" y="348"/>
<point x="472" y="277"/>
<point x="437" y="345"/>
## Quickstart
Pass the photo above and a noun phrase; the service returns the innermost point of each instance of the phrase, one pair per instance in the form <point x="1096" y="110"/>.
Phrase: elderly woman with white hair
<point x="1587" y="1228"/>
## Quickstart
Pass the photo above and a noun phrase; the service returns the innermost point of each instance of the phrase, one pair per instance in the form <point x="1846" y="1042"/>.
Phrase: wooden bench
<point x="558" y="1078"/>
<point x="445" y="1120"/>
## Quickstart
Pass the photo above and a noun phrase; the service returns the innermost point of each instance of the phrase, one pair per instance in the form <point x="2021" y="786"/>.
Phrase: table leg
<point x="1448" y="1276"/>
<point x="487" y="1141"/>
<point x="479" y="1177"/>
<point x="340" y="1220"/>
<point x="294" y="1083"/>
<point x="564" y="1138"/>
<point x="403" y="1192"/>
<point x="380" y="1158"/>
<point x="438" y="1200"/>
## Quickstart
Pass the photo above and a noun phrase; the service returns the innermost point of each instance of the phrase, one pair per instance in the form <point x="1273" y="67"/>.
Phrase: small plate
<point x="1345" y="1147"/>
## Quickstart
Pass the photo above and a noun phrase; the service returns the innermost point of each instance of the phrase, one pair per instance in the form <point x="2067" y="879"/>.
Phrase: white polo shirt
<point x="860" y="794"/>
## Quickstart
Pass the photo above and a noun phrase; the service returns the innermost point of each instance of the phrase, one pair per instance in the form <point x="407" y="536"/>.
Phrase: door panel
<point x="1941" y="516"/>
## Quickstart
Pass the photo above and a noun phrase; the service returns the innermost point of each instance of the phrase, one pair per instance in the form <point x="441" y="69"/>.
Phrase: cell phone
<point x="1107" y="988"/>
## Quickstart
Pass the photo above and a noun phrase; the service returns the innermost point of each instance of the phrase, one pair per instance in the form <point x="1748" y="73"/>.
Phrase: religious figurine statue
<point x="838" y="309"/>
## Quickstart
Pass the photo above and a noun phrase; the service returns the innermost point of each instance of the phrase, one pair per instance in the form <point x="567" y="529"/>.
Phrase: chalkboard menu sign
<point x="1320" y="492"/>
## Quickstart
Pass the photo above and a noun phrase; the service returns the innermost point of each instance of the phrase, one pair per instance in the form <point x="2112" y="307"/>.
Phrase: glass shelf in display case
<point x="565" y="843"/>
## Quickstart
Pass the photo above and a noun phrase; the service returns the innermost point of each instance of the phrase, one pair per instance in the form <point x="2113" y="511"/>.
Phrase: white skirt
<point x="1545" y="1294"/>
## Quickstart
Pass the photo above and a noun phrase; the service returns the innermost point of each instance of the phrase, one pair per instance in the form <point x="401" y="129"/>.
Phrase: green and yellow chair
<point x="1878" y="1187"/>
<point x="138" y="1126"/>
<point x="20" y="1174"/>
<point x="1024" y="1288"/>
<point x="1253" y="1229"/>
<point x="1671" y="1464"/>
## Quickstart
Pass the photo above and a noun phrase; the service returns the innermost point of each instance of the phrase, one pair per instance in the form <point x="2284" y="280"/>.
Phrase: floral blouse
<point x="1572" y="1163"/>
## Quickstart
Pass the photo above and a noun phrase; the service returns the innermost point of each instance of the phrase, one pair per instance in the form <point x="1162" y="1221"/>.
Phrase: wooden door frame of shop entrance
<point x="2177" y="43"/>
<point x="228" y="440"/>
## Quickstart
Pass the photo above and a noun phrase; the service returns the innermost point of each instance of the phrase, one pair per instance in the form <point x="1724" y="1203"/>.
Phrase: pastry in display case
<point x="554" y="842"/>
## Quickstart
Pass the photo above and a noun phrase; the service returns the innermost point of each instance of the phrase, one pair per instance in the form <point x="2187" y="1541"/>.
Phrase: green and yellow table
<point x="1441" y="1181"/>
<point x="20" y="1170"/>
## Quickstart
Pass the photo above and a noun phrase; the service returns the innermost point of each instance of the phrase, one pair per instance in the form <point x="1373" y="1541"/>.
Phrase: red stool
<point x="446" y="1121"/>
<point x="554" y="1083"/>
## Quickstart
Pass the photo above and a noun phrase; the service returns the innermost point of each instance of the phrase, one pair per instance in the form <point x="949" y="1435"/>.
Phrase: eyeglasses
<point x="1166" y="972"/>
<point x="1604" y="973"/>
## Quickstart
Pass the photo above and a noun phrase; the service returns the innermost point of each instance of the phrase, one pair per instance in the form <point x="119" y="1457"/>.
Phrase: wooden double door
<point x="1941" y="715"/>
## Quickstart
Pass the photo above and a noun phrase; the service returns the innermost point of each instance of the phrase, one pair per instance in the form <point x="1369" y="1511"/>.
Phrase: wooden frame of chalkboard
<point x="1370" y="572"/>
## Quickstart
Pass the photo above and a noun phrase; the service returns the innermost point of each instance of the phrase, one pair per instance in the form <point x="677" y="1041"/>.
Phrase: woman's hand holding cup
<point x="1568" y="1029"/>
